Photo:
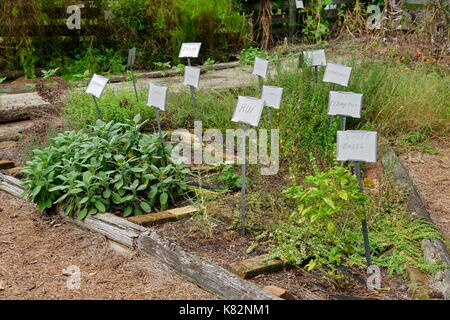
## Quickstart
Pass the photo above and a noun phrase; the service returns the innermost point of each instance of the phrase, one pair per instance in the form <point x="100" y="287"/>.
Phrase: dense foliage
<point x="108" y="167"/>
<point x="324" y="229"/>
<point x="110" y="28"/>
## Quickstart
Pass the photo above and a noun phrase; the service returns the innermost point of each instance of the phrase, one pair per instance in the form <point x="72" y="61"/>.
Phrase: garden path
<point x="37" y="250"/>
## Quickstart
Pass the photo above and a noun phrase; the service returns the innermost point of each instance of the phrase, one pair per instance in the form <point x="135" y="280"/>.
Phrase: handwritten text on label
<point x="248" y="110"/>
<point x="190" y="50"/>
<point x="345" y="104"/>
<point x="357" y="145"/>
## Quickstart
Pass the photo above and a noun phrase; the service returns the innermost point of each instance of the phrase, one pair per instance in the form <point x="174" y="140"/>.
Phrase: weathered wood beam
<point x="22" y="106"/>
<point x="11" y="185"/>
<point x="414" y="202"/>
<point x="109" y="225"/>
<point x="206" y="274"/>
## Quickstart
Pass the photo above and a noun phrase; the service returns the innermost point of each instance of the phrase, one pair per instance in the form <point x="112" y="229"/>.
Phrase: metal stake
<point x="158" y="121"/>
<point x="193" y="97"/>
<point x="243" y="204"/>
<point x="260" y="83"/>
<point x="365" y="231"/>
<point x="99" y="112"/>
<point x="269" y="110"/>
<point x="330" y="118"/>
<point x="343" y="124"/>
<point x="194" y="102"/>
<point x="134" y="83"/>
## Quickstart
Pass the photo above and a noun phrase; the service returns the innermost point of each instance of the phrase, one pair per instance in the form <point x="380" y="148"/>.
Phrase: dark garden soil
<point x="431" y="174"/>
<point x="35" y="249"/>
<point x="225" y="246"/>
<point x="53" y="89"/>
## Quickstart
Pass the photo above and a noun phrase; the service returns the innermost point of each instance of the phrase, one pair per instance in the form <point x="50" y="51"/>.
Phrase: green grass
<point x="118" y="105"/>
<point x="399" y="101"/>
<point x="398" y="104"/>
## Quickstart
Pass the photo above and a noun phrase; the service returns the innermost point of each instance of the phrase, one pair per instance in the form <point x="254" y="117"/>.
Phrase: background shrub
<point x="156" y="27"/>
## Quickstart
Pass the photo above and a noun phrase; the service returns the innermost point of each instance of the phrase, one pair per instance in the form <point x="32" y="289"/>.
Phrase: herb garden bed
<point x="225" y="247"/>
<point x="300" y="227"/>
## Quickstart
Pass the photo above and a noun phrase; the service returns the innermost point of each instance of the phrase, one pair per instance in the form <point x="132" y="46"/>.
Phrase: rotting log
<point x="17" y="89"/>
<point x="8" y="135"/>
<point x="22" y="106"/>
<point x="206" y="274"/>
<point x="12" y="130"/>
<point x="156" y="218"/>
<point x="173" y="73"/>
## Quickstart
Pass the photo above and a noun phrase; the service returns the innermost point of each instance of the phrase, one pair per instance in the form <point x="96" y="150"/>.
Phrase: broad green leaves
<point x="327" y="196"/>
<point x="326" y="204"/>
<point x="107" y="167"/>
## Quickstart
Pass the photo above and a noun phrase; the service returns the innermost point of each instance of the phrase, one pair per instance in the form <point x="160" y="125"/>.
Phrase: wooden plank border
<point x="207" y="275"/>
<point x="401" y="176"/>
<point x="416" y="205"/>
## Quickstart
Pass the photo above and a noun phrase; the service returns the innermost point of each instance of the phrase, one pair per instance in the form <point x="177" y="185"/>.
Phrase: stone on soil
<point x="252" y="267"/>
<point x="21" y="106"/>
<point x="277" y="291"/>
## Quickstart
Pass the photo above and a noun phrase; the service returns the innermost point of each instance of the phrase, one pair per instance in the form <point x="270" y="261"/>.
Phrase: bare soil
<point x="431" y="175"/>
<point x="227" y="246"/>
<point x="35" y="249"/>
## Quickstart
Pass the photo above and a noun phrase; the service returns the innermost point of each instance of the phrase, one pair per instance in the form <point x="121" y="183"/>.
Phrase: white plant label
<point x="191" y="77"/>
<point x="97" y="85"/>
<point x="299" y="4"/>
<point x="157" y="96"/>
<point x="337" y="73"/>
<point x="261" y="67"/>
<point x="190" y="50"/>
<point x="131" y="57"/>
<point x="315" y="58"/>
<point x="355" y="145"/>
<point x="272" y="96"/>
<point x="248" y="110"/>
<point x="345" y="104"/>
